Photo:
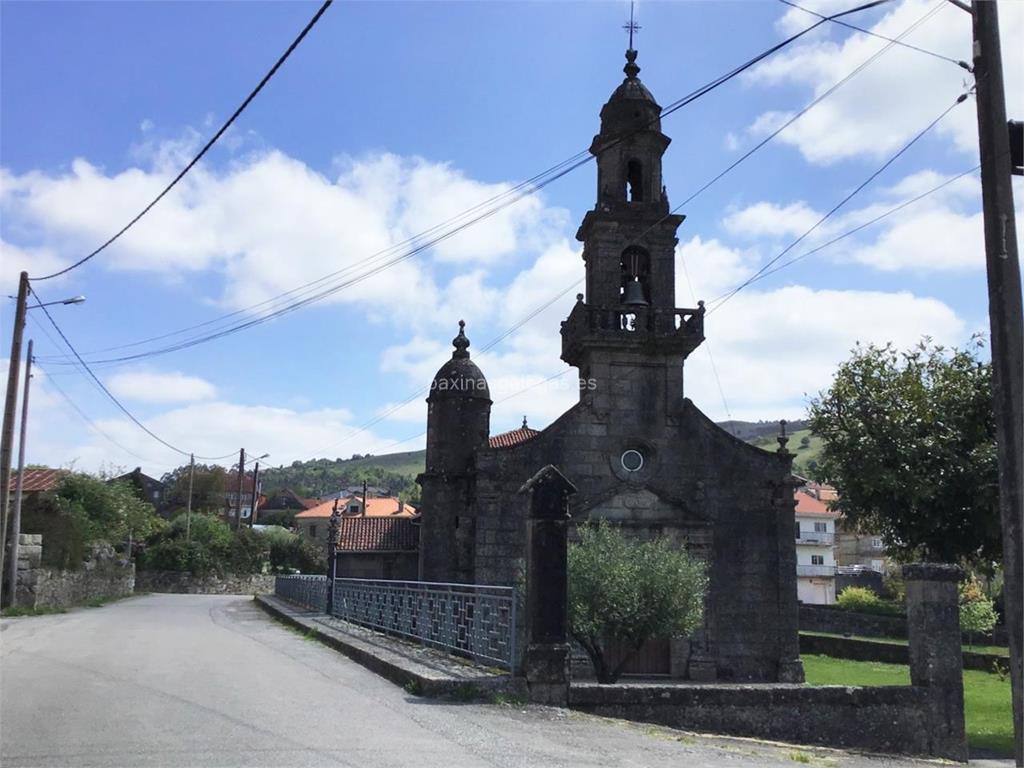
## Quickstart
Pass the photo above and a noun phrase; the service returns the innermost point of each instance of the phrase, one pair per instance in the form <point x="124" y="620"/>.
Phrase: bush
<point x="290" y="552"/>
<point x="977" y="611"/>
<point x="859" y="599"/>
<point x="211" y="547"/>
<point x="628" y="591"/>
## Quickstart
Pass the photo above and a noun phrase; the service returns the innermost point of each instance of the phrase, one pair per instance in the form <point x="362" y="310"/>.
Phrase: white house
<point x="815" y="550"/>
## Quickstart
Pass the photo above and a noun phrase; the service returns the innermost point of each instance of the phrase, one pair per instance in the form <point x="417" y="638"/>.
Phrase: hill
<point x="397" y="471"/>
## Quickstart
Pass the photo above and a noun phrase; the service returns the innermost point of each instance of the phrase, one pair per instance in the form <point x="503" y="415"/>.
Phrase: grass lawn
<point x="986" y="697"/>
<point x="997" y="650"/>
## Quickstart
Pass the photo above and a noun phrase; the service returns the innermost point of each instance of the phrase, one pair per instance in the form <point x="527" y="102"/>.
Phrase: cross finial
<point x="632" y="26"/>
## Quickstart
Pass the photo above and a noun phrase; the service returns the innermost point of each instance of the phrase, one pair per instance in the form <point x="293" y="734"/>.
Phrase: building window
<point x="312" y="531"/>
<point x="632" y="460"/>
<point x="876" y="542"/>
<point x="635" y="181"/>
<point x="353" y="508"/>
<point x="796" y="528"/>
<point x="820" y="527"/>
<point x="817" y="559"/>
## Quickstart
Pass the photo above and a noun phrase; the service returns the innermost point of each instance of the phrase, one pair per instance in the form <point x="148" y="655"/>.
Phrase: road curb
<point x="388" y="665"/>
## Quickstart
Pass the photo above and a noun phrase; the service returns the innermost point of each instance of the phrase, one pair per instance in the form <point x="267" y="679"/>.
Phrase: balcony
<point x="815" y="537"/>
<point x="824" y="571"/>
<point x="677" y="331"/>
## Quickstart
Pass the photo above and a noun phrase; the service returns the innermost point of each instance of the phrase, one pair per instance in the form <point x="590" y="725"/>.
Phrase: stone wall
<point x="178" y="582"/>
<point x="888" y="653"/>
<point x="836" y="621"/>
<point x="102" y="575"/>
<point x="889" y="719"/>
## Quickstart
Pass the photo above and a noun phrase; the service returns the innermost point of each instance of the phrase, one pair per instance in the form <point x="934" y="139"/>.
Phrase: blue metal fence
<point x="307" y="591"/>
<point x="467" y="620"/>
<point x="464" y="619"/>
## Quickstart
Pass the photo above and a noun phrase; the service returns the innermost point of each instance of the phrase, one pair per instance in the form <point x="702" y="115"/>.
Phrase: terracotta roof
<point x="808" y="505"/>
<point x="39" y="479"/>
<point x="515" y="437"/>
<point x="375" y="507"/>
<point x="378" y="534"/>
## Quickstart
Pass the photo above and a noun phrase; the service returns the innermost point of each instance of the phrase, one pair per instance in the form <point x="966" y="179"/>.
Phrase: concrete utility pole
<point x="10" y="404"/>
<point x="241" y="477"/>
<point x="1006" y="319"/>
<point x="12" y="563"/>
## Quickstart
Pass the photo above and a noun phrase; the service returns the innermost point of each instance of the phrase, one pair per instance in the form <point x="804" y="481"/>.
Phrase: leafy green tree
<point x="290" y="553"/>
<point x="627" y="591"/>
<point x="977" y="611"/>
<point x="208" y="485"/>
<point x="910" y="443"/>
<point x="207" y="546"/>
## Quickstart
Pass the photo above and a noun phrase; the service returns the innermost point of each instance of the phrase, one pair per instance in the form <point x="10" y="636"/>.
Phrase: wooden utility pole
<point x="1006" y="319"/>
<point x="10" y="405"/>
<point x="255" y="493"/>
<point x="188" y="507"/>
<point x="241" y="477"/>
<point x="12" y="563"/>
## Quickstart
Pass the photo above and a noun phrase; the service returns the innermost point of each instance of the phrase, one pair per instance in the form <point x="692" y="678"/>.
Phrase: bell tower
<point x="628" y="315"/>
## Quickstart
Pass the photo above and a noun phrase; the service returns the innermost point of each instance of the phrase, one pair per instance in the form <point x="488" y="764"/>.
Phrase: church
<point x="641" y="454"/>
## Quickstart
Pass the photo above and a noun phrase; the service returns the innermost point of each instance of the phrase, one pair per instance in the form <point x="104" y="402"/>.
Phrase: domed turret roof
<point x="631" y="107"/>
<point x="460" y="376"/>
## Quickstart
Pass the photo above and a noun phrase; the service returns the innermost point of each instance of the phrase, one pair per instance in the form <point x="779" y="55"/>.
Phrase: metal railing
<point x="464" y="619"/>
<point x="815" y="570"/>
<point x="815" y="537"/>
<point x="308" y="591"/>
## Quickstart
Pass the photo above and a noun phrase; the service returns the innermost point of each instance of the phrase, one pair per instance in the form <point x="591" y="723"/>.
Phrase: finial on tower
<point x="783" y="438"/>
<point x="460" y="342"/>
<point x="631" y="69"/>
<point x="524" y="422"/>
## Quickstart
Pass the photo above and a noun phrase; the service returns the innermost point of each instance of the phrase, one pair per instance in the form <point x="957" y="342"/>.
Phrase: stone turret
<point x="458" y="424"/>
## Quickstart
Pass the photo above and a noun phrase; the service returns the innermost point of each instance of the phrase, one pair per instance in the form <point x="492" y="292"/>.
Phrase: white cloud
<point x="770" y="348"/>
<point x="270" y="223"/>
<point x="154" y="387"/>
<point x="771" y="220"/>
<point x="898" y="94"/>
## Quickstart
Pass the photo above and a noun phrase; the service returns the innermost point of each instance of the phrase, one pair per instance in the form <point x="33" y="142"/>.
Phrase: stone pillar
<point x="546" y="662"/>
<point x="936" y="657"/>
<point x="30" y="554"/>
<point x="791" y="668"/>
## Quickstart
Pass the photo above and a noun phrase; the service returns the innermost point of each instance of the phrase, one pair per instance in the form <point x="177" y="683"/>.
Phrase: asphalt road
<point x="185" y="680"/>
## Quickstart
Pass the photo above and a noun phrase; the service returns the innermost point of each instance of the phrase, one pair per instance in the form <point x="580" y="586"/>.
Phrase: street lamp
<point x="7" y="430"/>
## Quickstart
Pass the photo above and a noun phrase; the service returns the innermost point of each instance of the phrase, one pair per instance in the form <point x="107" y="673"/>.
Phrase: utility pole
<point x="241" y="476"/>
<point x="255" y="493"/>
<point x="12" y="564"/>
<point x="1006" y="318"/>
<point x="188" y="507"/>
<point x="10" y="404"/>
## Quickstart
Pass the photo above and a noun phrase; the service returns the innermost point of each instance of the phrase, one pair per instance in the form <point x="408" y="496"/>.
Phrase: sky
<point x="392" y="118"/>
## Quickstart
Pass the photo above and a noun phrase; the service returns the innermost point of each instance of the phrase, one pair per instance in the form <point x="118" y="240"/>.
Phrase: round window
<point x="632" y="461"/>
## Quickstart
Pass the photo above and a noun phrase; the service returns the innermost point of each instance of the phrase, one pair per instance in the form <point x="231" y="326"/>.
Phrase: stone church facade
<point x="641" y="455"/>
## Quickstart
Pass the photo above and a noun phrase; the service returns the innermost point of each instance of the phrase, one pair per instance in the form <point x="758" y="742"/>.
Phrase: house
<point x="639" y="453"/>
<point x="815" y="531"/>
<point x="38" y="480"/>
<point x="313" y="523"/>
<point x="381" y="547"/>
<point x="230" y="496"/>
<point x="146" y="488"/>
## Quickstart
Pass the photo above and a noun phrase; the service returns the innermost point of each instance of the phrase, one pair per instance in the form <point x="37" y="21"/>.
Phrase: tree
<point x="628" y="591"/>
<point x="910" y="443"/>
<point x="977" y="612"/>
<point x="208" y="487"/>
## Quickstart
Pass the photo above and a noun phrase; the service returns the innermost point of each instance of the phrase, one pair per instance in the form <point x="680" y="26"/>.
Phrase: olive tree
<point x="627" y="591"/>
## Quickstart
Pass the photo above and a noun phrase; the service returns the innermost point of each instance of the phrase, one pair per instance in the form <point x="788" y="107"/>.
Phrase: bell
<point x="634" y="294"/>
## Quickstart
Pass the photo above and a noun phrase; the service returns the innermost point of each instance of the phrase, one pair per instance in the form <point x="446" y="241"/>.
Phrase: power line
<point x="718" y="302"/>
<point x="961" y="64"/>
<point x="110" y="395"/>
<point x="866" y="224"/>
<point x="252" y="95"/>
<point x="524" y="189"/>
